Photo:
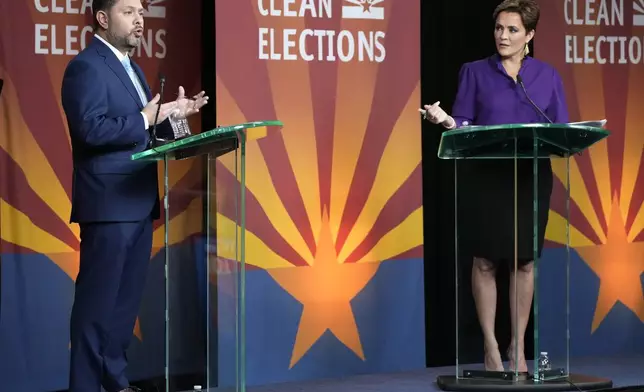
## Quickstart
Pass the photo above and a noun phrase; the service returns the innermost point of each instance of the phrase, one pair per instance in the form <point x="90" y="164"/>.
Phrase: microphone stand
<point x="520" y="81"/>
<point x="154" y="140"/>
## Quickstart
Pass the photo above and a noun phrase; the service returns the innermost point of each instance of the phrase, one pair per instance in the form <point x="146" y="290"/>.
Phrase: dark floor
<point x="624" y="372"/>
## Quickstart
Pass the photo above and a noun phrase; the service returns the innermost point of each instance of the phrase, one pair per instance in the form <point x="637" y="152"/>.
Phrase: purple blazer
<point x="487" y="95"/>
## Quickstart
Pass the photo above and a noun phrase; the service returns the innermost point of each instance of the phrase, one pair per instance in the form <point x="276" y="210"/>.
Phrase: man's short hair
<point x="101" y="5"/>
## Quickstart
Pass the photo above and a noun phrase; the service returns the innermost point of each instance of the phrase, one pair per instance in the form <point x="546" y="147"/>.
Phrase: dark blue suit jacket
<point x="103" y="112"/>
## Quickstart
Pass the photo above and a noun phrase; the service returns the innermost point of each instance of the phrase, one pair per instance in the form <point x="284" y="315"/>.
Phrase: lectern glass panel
<point x="499" y="219"/>
<point x="187" y="275"/>
<point x="511" y="214"/>
<point x="551" y="308"/>
<point x="225" y="211"/>
<point x="201" y="241"/>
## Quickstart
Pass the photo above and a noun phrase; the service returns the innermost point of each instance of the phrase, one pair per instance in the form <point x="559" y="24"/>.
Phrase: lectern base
<point x="574" y="382"/>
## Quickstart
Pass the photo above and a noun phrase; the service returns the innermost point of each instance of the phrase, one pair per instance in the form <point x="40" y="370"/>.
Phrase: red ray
<point x="30" y="75"/>
<point x="394" y="85"/>
<point x="414" y="253"/>
<point x="242" y="73"/>
<point x="550" y="244"/>
<point x="637" y="199"/>
<point x="403" y="202"/>
<point x="577" y="217"/>
<point x="15" y="190"/>
<point x="552" y="48"/>
<point x="615" y="80"/>
<point x="324" y="81"/>
<point x="256" y="220"/>
<point x="7" y="248"/>
<point x="549" y="46"/>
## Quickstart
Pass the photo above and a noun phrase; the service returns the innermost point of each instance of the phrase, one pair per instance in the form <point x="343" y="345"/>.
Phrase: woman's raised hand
<point x="435" y="114"/>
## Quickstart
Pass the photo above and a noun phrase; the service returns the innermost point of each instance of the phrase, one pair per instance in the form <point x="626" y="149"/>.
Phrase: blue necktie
<point x="135" y="80"/>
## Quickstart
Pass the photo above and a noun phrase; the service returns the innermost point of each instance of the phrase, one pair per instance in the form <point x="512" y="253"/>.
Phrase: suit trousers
<point x="114" y="260"/>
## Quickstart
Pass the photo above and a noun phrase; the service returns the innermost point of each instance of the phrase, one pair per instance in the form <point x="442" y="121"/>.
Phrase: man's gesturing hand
<point x="150" y="110"/>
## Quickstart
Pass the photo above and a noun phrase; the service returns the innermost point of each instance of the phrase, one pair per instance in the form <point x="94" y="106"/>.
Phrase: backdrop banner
<point x="597" y="47"/>
<point x="38" y="247"/>
<point x="336" y="287"/>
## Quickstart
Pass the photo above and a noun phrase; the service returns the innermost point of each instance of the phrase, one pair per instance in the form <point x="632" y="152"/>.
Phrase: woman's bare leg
<point x="484" y="291"/>
<point x="524" y="279"/>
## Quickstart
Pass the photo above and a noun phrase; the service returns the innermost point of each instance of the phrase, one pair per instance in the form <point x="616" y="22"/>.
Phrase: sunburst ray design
<point x="341" y="182"/>
<point x="609" y="178"/>
<point x="35" y="150"/>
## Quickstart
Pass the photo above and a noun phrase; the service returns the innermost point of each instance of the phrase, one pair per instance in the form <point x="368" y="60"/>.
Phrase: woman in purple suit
<point x="491" y="92"/>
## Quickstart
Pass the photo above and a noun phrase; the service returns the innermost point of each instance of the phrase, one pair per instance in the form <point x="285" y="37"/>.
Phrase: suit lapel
<point x="112" y="61"/>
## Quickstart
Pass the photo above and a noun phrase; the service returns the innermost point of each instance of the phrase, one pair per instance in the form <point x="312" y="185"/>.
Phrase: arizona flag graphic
<point x="39" y="248"/>
<point x="154" y="8"/>
<point x="638" y="12"/>
<point x="601" y="80"/>
<point x="334" y="203"/>
<point x="363" y="9"/>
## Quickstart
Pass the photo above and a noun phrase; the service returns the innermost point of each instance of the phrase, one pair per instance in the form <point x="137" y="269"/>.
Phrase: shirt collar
<point x="495" y="60"/>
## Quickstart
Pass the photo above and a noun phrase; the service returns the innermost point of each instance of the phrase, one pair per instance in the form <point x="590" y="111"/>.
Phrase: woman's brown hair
<point x="528" y="10"/>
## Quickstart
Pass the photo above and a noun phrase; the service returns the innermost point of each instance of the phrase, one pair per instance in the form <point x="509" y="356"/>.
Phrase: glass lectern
<point x="497" y="243"/>
<point x="204" y="209"/>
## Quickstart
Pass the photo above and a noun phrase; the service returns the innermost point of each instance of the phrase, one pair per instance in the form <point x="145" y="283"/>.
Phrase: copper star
<point x="325" y="289"/>
<point x="619" y="265"/>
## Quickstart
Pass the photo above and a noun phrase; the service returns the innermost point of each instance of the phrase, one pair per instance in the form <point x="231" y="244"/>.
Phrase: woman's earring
<point x="526" y="50"/>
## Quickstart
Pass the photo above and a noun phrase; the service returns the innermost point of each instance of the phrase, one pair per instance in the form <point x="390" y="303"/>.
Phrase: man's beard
<point x="126" y="43"/>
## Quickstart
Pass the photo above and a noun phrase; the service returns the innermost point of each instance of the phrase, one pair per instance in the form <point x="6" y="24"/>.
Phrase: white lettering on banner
<point x="594" y="12"/>
<point x="288" y="8"/>
<point x="603" y="49"/>
<point x="63" y="6"/>
<point x="289" y="44"/>
<point x="329" y="45"/>
<point x="69" y="40"/>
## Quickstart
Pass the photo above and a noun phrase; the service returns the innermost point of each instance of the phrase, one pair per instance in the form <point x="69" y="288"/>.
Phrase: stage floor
<point x="622" y="371"/>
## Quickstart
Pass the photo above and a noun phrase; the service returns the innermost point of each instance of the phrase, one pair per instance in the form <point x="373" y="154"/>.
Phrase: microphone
<point x="520" y="81"/>
<point x="154" y="141"/>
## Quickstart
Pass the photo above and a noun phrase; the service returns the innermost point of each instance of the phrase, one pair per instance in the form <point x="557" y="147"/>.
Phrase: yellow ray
<point x="556" y="232"/>
<point x="578" y="193"/>
<point x="259" y="183"/>
<point x="137" y="329"/>
<point x="293" y="106"/>
<point x="406" y="236"/>
<point x="590" y="99"/>
<point x="257" y="252"/>
<point x="258" y="180"/>
<point x="177" y="170"/>
<point x="638" y="225"/>
<point x="355" y="88"/>
<point x="633" y="139"/>
<point x="17" y="228"/>
<point x="21" y="146"/>
<point x="396" y="165"/>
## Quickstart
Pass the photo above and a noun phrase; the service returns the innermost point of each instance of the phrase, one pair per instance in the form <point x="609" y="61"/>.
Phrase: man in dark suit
<point x="109" y="111"/>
